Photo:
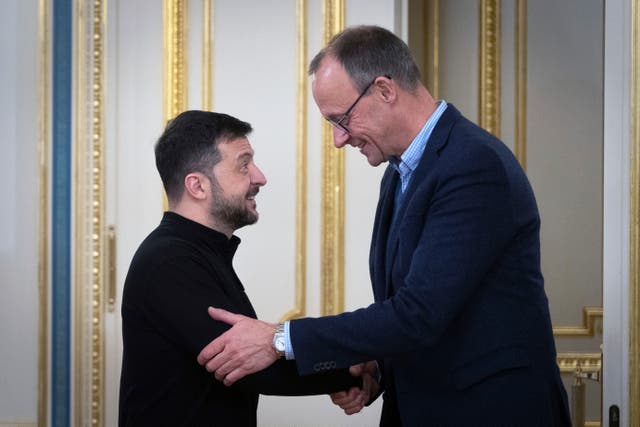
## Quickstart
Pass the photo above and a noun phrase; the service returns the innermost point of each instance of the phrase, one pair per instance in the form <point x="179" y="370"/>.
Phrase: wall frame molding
<point x="300" y="273"/>
<point x="89" y="213"/>
<point x="333" y="188"/>
<point x="634" y="221"/>
<point x="174" y="54"/>
<point x="489" y="66"/>
<point x="44" y="229"/>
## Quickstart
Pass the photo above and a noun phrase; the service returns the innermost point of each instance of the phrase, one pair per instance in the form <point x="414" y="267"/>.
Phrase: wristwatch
<point x="278" y="340"/>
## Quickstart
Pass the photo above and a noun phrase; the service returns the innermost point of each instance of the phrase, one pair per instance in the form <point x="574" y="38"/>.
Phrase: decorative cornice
<point x="333" y="187"/>
<point x="587" y="362"/>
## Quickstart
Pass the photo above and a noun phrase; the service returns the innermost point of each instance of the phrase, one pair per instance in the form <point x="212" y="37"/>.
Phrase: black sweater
<point x="179" y="270"/>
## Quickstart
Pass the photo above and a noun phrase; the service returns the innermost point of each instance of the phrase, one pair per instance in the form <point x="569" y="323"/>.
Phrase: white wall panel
<point x="19" y="110"/>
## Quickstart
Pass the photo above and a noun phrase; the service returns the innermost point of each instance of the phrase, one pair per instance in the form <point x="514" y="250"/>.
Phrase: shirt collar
<point x="409" y="160"/>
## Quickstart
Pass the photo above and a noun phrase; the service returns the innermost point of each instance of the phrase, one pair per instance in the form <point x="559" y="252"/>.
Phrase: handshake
<point x="247" y="348"/>
<point x="353" y="400"/>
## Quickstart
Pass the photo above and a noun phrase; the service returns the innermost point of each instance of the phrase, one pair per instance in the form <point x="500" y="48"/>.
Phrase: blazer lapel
<point x="437" y="140"/>
<point x="384" y="215"/>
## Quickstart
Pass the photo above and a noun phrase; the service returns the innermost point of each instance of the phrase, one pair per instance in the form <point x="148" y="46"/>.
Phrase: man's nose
<point x="340" y="137"/>
<point x="257" y="177"/>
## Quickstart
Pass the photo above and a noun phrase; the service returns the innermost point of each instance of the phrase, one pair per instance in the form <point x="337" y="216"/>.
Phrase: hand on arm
<point x="244" y="349"/>
<point x="353" y="400"/>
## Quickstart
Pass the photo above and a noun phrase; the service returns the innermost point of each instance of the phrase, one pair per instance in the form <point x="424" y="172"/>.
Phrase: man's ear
<point x="386" y="89"/>
<point x="196" y="185"/>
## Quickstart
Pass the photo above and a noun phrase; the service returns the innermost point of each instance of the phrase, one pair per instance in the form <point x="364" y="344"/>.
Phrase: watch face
<point x="279" y="343"/>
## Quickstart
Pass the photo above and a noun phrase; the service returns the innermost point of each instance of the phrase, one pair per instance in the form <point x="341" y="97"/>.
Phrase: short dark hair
<point x="368" y="51"/>
<point x="189" y="144"/>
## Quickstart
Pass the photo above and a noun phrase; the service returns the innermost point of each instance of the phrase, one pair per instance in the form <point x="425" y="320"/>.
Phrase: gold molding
<point x="44" y="159"/>
<point x="97" y="214"/>
<point x="588" y="328"/>
<point x="432" y="46"/>
<point x="333" y="187"/>
<point x="520" y="145"/>
<point x="207" y="55"/>
<point x="489" y="66"/>
<point x="588" y="362"/>
<point x="175" y="78"/>
<point x="78" y="188"/>
<point x="299" y="308"/>
<point x="634" y="221"/>
<point x="89" y="212"/>
<point x="174" y="51"/>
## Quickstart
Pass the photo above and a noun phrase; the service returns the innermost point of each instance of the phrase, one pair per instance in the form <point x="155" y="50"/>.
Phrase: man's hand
<point x="244" y="349"/>
<point x="355" y="399"/>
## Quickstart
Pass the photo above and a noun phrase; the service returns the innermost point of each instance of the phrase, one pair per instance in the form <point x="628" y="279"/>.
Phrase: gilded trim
<point x="82" y="384"/>
<point x="634" y="222"/>
<point x="44" y="154"/>
<point x="432" y="47"/>
<point x="489" y="66"/>
<point x="521" y="83"/>
<point x="175" y="77"/>
<point x="97" y="214"/>
<point x="207" y="55"/>
<point x="333" y="187"/>
<point x="299" y="308"/>
<point x="588" y="328"/>
<point x="89" y="212"/>
<point x="588" y="362"/>
<point x="174" y="51"/>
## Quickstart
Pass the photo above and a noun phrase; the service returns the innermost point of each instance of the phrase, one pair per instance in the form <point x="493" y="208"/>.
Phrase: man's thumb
<point x="223" y="315"/>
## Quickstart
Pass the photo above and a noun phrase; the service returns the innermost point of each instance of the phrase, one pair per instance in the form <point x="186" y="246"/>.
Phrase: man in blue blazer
<point x="460" y="327"/>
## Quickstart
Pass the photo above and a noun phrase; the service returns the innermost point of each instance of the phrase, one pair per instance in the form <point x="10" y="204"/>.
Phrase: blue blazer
<point x="460" y="323"/>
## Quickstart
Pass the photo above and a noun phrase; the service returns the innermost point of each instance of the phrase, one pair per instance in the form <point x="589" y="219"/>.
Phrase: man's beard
<point x="232" y="211"/>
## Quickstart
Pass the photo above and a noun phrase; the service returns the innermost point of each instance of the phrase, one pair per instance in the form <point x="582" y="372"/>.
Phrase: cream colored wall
<point x="19" y="110"/>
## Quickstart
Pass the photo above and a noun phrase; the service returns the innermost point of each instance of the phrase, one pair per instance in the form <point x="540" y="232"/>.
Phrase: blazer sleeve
<point x="457" y="223"/>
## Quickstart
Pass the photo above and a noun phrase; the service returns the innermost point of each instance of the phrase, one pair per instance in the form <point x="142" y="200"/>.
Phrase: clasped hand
<point x="355" y="399"/>
<point x="246" y="348"/>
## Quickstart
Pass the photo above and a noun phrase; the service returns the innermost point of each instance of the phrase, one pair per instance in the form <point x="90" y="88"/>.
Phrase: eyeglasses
<point x="345" y="116"/>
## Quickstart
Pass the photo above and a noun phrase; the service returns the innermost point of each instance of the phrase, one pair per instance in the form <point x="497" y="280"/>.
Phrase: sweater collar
<point x="201" y="233"/>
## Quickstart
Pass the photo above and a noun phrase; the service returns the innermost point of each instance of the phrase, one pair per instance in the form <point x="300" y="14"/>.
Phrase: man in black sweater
<point x="185" y="265"/>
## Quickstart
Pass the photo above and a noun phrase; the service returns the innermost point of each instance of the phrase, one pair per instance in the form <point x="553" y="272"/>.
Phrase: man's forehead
<point x="236" y="146"/>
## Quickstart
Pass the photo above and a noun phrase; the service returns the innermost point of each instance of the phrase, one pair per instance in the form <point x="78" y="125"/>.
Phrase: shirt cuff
<point x="288" y="348"/>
